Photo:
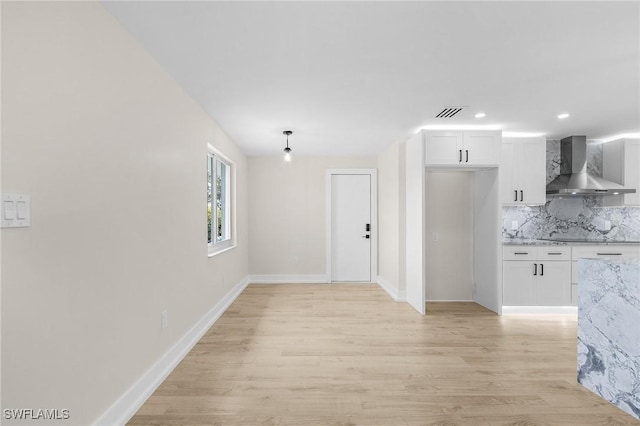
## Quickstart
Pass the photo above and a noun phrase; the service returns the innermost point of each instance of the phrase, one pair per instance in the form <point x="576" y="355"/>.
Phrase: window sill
<point x="213" y="251"/>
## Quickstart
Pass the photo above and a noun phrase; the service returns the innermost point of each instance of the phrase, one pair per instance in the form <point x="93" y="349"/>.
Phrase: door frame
<point x="373" y="173"/>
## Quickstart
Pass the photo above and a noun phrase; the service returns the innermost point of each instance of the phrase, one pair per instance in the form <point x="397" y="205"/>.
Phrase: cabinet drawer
<point x="520" y="253"/>
<point x="601" y="252"/>
<point x="554" y="253"/>
<point x="605" y="251"/>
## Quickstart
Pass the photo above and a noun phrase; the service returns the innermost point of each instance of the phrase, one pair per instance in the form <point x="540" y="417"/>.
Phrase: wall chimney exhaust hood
<point x="574" y="179"/>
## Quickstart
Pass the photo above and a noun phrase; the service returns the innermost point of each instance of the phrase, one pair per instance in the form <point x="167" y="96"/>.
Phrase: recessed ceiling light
<point x="480" y="115"/>
<point x="562" y="116"/>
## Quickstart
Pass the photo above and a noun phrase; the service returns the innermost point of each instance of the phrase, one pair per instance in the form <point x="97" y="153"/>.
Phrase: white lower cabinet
<point x="548" y="275"/>
<point x="552" y="285"/>
<point x="536" y="276"/>
<point x="517" y="276"/>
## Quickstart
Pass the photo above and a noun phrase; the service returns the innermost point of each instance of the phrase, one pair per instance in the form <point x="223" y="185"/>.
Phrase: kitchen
<point x="531" y="218"/>
<point x="559" y="236"/>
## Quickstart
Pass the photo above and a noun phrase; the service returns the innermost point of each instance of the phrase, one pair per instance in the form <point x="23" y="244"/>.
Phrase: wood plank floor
<point x="349" y="355"/>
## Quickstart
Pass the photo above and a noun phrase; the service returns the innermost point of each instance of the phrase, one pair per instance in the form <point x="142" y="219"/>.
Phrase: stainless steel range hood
<point x="574" y="179"/>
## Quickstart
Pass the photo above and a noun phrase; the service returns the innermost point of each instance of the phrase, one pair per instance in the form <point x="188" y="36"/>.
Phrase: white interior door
<point x="351" y="227"/>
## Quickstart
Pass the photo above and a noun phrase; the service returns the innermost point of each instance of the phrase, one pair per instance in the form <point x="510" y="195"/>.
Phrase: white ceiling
<point x="349" y="78"/>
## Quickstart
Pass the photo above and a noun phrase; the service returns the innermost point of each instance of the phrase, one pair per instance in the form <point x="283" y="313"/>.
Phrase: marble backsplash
<point x="572" y="217"/>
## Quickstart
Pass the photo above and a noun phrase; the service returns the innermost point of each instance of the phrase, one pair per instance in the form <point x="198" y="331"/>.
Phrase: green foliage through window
<point x="218" y="199"/>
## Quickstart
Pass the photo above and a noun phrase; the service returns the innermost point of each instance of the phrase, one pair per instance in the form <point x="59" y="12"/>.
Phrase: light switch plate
<point x="16" y="211"/>
<point x="8" y="209"/>
<point x="21" y="210"/>
<point x="514" y="225"/>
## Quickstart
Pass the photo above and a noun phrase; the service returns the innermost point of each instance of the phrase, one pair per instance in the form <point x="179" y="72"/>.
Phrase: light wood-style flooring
<point x="349" y="355"/>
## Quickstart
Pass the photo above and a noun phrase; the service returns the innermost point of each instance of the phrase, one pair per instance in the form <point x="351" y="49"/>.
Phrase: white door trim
<point x="374" y="216"/>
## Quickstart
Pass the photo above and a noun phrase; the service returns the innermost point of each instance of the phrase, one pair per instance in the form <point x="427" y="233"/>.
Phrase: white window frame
<point x="228" y="242"/>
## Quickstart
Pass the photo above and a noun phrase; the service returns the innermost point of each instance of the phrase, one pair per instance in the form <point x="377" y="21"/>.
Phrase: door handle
<point x="367" y="227"/>
<point x="535" y="269"/>
<point x="541" y="269"/>
<point x="521" y="195"/>
<point x="460" y="156"/>
<point x="516" y="191"/>
<point x="467" y="154"/>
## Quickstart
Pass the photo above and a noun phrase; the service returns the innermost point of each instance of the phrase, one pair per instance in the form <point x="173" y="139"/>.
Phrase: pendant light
<point x="287" y="150"/>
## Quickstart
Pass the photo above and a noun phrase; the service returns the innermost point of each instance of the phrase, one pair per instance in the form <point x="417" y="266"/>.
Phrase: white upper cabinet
<point x="481" y="148"/>
<point x="462" y="149"/>
<point x="443" y="147"/>
<point x="621" y="164"/>
<point x="523" y="171"/>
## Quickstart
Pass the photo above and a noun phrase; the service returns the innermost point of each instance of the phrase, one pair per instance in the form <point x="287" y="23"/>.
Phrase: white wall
<point x="487" y="240"/>
<point x="449" y="214"/>
<point x="391" y="216"/>
<point x="113" y="154"/>
<point x="287" y="213"/>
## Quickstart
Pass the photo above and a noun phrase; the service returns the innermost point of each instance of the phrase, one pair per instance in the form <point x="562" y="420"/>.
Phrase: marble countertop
<point x="532" y="242"/>
<point x="528" y="242"/>
<point x="634" y="261"/>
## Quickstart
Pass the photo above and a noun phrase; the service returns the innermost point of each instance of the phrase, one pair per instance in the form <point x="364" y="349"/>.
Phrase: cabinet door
<point x="530" y="170"/>
<point x="518" y="283"/>
<point x="508" y="194"/>
<point x="553" y="283"/>
<point x="632" y="171"/>
<point x="620" y="159"/>
<point x="443" y="148"/>
<point x="481" y="148"/>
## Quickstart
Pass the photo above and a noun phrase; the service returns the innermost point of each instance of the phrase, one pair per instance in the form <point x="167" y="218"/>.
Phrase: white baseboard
<point x="130" y="402"/>
<point x="397" y="295"/>
<point x="288" y="279"/>
<point x="554" y="310"/>
<point x="451" y="300"/>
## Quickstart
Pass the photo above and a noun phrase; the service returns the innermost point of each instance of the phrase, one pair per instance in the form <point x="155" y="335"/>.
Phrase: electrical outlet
<point x="164" y="320"/>
<point x="607" y="225"/>
<point x="435" y="236"/>
<point x="514" y="225"/>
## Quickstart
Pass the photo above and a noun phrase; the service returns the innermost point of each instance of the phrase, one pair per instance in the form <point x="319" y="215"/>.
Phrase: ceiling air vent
<point x="449" y="112"/>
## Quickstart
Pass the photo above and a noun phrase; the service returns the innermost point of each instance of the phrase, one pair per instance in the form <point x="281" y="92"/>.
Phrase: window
<point x="219" y="175"/>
